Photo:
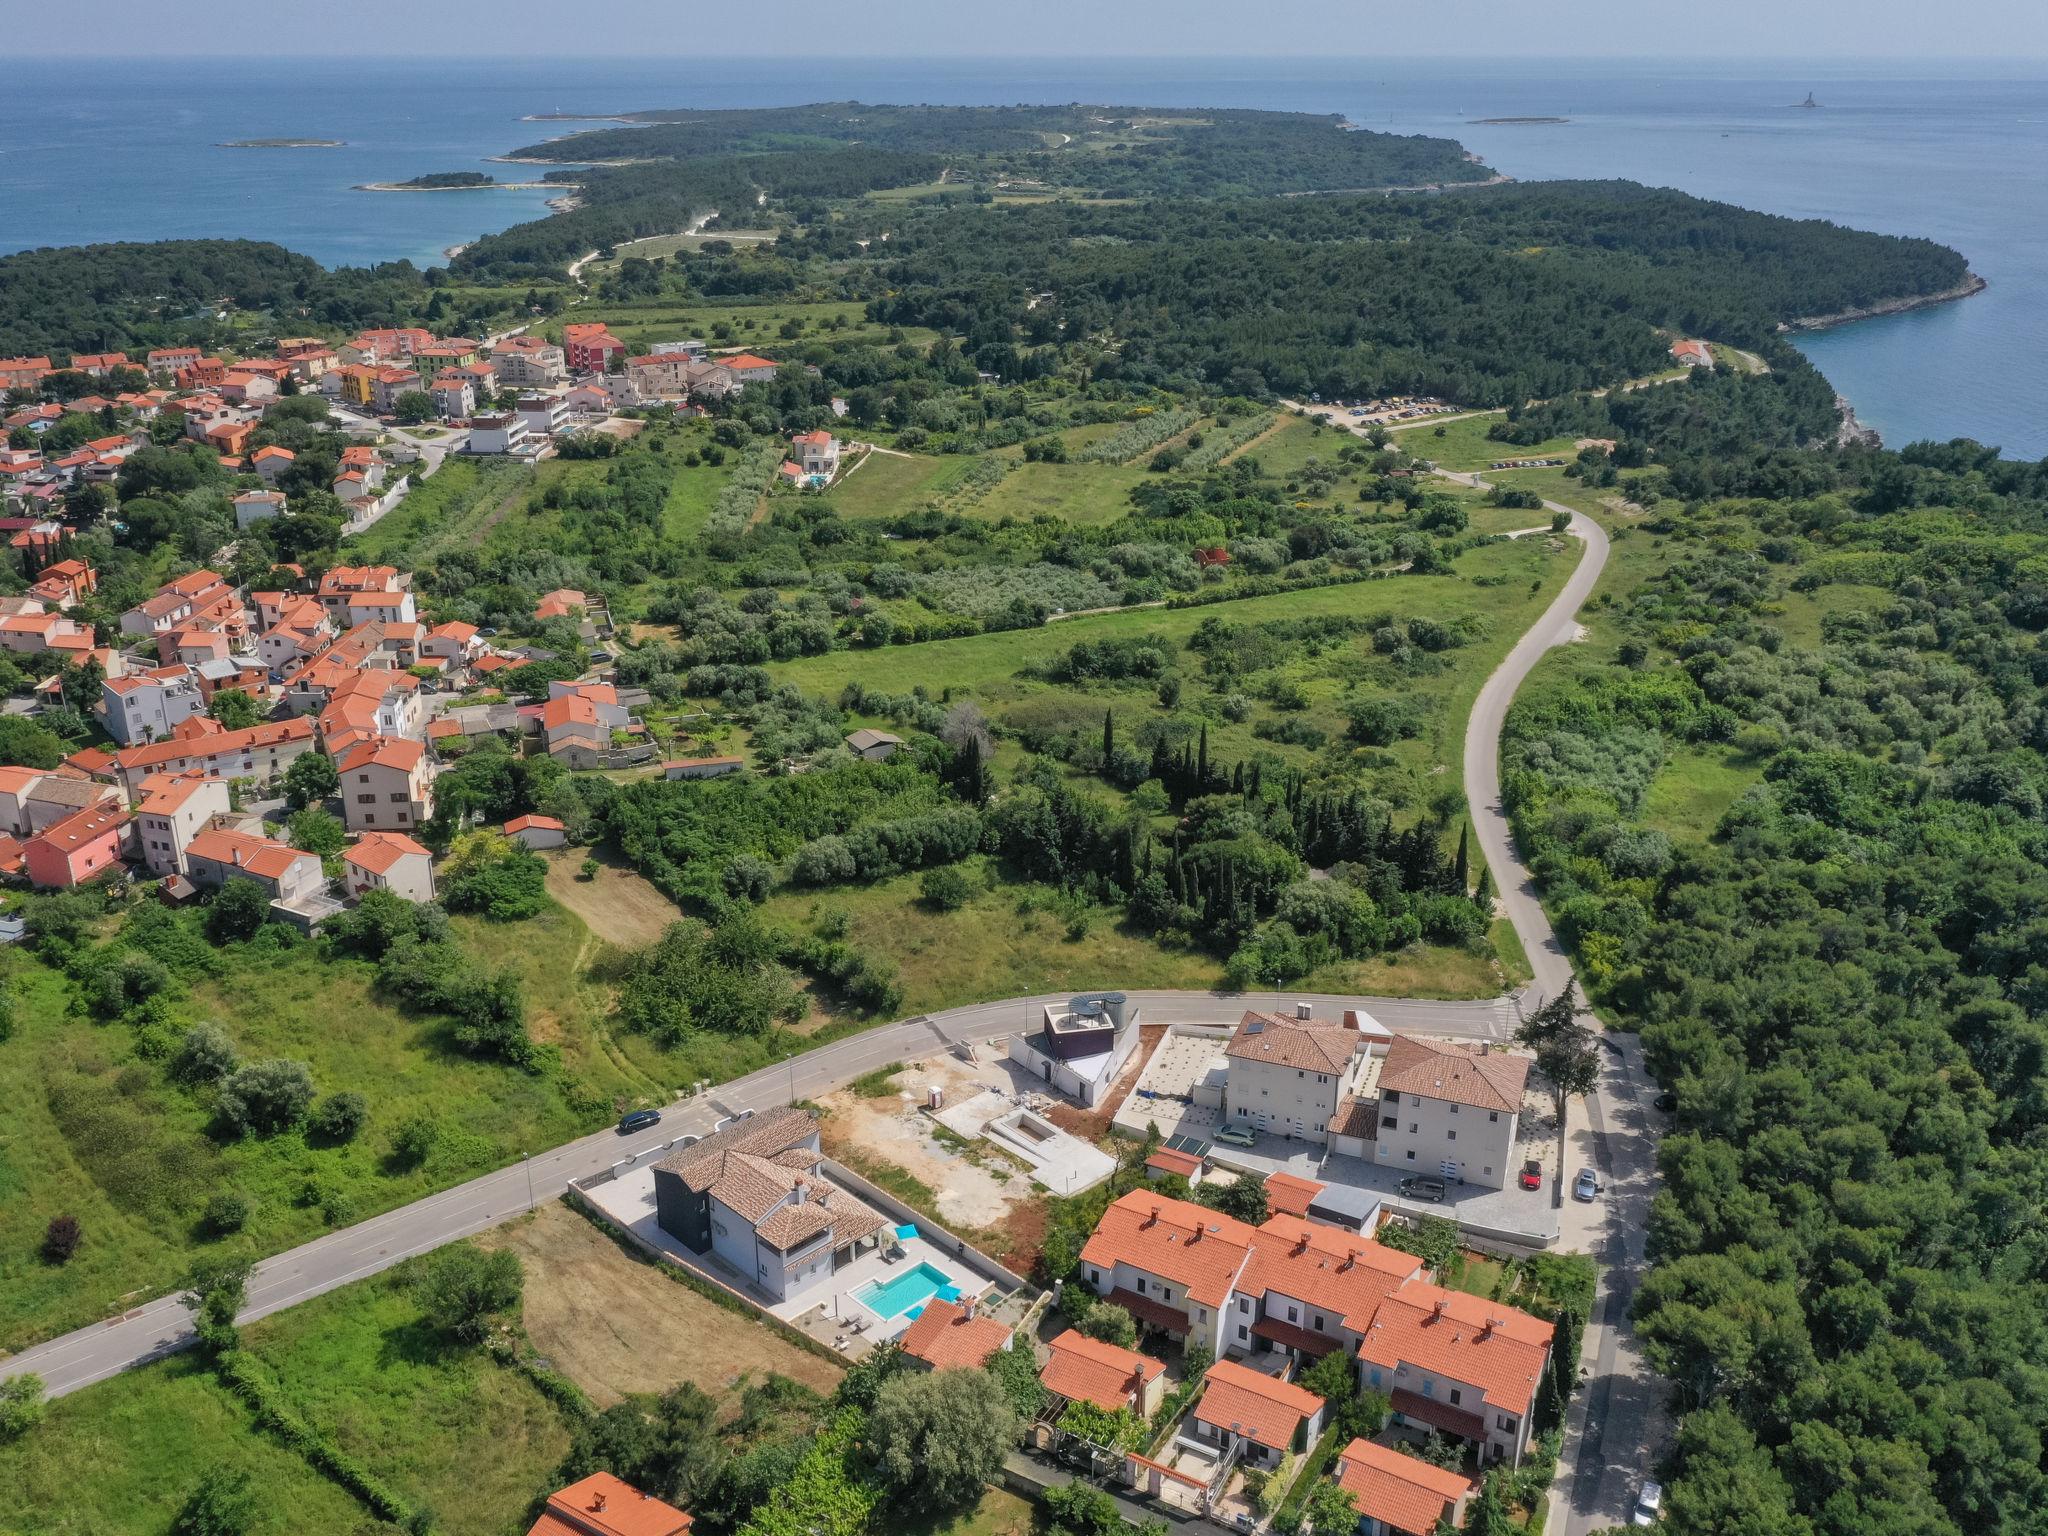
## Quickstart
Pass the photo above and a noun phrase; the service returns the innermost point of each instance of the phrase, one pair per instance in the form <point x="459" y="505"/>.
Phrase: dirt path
<point x="1250" y="443"/>
<point x="618" y="906"/>
<point x="615" y="1326"/>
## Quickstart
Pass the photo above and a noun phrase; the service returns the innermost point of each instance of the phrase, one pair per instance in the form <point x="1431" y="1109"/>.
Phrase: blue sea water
<point x="125" y="150"/>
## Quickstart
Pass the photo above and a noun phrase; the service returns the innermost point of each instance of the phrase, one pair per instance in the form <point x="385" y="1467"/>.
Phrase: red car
<point x="1532" y="1174"/>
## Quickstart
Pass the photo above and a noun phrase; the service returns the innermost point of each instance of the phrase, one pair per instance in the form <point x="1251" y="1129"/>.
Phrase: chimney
<point x="1303" y="1012"/>
<point x="1350" y="1259"/>
<point x="1301" y="1241"/>
<point x="973" y="1307"/>
<point x="1437" y="1309"/>
<point x="1153" y="1217"/>
<point x="1486" y="1047"/>
<point x="1195" y="1236"/>
<point x="597" y="1503"/>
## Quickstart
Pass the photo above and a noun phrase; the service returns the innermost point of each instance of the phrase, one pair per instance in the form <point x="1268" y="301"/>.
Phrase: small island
<point x="444" y="181"/>
<point x="282" y="144"/>
<point x="1516" y="122"/>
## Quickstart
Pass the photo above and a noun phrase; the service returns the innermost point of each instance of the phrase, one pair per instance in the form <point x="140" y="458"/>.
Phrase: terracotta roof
<point x="542" y="823"/>
<point x="1437" y="1069"/>
<point x="82" y="827"/>
<point x="603" y="1505"/>
<point x="272" y="734"/>
<point x="163" y="793"/>
<point x="1344" y="1275"/>
<point x="1455" y="1421"/>
<point x="1289" y="1194"/>
<point x="1356" y="1117"/>
<point x="1172" y="1160"/>
<point x="378" y="851"/>
<point x="1312" y="1046"/>
<point x="260" y="856"/>
<point x="1294" y="1336"/>
<point x="1097" y="1372"/>
<point x="1190" y="1245"/>
<point x="1495" y="1347"/>
<point x="1404" y="1492"/>
<point x="1252" y="1404"/>
<point x="397" y="752"/>
<point x="944" y="1337"/>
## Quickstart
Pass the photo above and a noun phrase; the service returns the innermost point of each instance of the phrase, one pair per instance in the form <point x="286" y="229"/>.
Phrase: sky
<point x="1904" y="30"/>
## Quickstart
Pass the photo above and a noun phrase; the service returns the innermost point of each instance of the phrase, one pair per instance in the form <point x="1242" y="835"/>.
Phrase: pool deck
<point x="629" y="1201"/>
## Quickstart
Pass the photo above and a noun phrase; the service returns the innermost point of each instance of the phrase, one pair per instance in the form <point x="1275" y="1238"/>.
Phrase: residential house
<point x="752" y="1195"/>
<point x="453" y="645"/>
<point x="545" y="415"/>
<point x="1260" y="1418"/>
<point x="497" y="434"/>
<point x="1287" y="1076"/>
<point x="954" y="1336"/>
<point x="387" y="384"/>
<point x="388" y="861"/>
<point x="386" y="784"/>
<point x="816" y="454"/>
<point x="15" y="784"/>
<point x="1085" y="1370"/>
<point x="602" y="1505"/>
<point x="537" y="832"/>
<point x="1311" y="1290"/>
<point x="171" y="359"/>
<point x="58" y="796"/>
<point x="872" y="745"/>
<point x="175" y="808"/>
<point x="370" y="701"/>
<point x="272" y="463"/>
<point x="79" y="848"/>
<point x="661" y="376"/>
<point x="201" y="373"/>
<point x="746" y="368"/>
<point x="240" y="386"/>
<point x="23" y="372"/>
<point x="1450" y="1110"/>
<point x="1399" y="1495"/>
<point x="259" y="752"/>
<point x="562" y="603"/>
<point x="440" y="356"/>
<point x="528" y="362"/>
<point x="1172" y="1163"/>
<point x="454" y="396"/>
<point x="342" y="585"/>
<point x="219" y="854"/>
<point x="62" y="584"/>
<point x="1694" y="354"/>
<point x="300" y="631"/>
<point x="29" y="632"/>
<point x="1170" y="1263"/>
<point x="1458" y="1364"/>
<point x="253" y="507"/>
<point x="148" y="706"/>
<point x="98" y="365"/>
<point x="591" y="399"/>
<point x="589" y="348"/>
<point x="578" y="720"/>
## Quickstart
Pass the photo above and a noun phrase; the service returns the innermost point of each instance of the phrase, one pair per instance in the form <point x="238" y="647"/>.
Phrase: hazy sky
<point x="368" y="30"/>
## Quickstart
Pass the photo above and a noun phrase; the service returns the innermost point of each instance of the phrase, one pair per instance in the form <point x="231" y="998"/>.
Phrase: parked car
<point x="1586" y="1185"/>
<point x="639" y="1120"/>
<point x="1649" y="1503"/>
<point x="1419" y="1186"/>
<point x="1532" y="1174"/>
<point x="1237" y="1136"/>
<point x="1667" y="1101"/>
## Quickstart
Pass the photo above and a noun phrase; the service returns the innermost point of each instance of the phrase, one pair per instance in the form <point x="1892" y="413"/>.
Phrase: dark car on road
<point x="1532" y="1174"/>
<point x="639" y="1120"/>
<point x="1422" y="1187"/>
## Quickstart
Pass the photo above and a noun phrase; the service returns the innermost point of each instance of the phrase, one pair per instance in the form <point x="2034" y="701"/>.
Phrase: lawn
<point x="891" y="484"/>
<point x="448" y="510"/>
<point x="1694" y="789"/>
<point x="444" y="1426"/>
<point x="1087" y="495"/>
<point x="97" y="1131"/>
<point x="1465" y="445"/>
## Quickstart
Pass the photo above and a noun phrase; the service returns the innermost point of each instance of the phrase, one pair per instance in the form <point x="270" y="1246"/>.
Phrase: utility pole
<point x="527" y="1158"/>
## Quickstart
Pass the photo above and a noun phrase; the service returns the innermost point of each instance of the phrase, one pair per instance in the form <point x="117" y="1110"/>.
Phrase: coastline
<point x="488" y="186"/>
<point x="1969" y="287"/>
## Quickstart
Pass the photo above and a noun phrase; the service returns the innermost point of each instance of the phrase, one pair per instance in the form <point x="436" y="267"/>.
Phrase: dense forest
<point x="1845" y="986"/>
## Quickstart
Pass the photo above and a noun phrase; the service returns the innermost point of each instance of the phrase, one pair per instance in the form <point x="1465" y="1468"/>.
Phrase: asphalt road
<point x="163" y="1326"/>
<point x="1618" y="1424"/>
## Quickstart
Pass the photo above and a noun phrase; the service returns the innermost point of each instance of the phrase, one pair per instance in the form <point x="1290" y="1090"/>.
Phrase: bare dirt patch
<point x="619" y="906"/>
<point x="1093" y="1124"/>
<point x="616" y="1326"/>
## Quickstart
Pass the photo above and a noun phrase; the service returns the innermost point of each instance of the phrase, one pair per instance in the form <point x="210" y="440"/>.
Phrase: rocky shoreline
<point x="1971" y="285"/>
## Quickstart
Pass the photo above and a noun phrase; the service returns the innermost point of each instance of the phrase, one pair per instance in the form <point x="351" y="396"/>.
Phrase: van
<point x="1422" y="1186"/>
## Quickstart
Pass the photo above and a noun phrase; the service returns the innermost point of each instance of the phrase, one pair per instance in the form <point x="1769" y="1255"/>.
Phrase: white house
<point x="1288" y="1076"/>
<point x="505" y="434"/>
<point x="1450" y="1110"/>
<point x="537" y="832"/>
<point x="252" y="507"/>
<point x="176" y="808"/>
<point x="388" y="861"/>
<point x="148" y="706"/>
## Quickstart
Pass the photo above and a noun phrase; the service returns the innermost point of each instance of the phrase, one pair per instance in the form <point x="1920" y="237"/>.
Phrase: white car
<point x="1648" y="1503"/>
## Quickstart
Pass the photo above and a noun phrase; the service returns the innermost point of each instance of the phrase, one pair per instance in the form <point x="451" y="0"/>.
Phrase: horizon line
<point x="1689" y="54"/>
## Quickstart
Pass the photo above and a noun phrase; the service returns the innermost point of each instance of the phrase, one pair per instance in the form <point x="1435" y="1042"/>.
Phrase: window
<point x="1489" y="1168"/>
<point x="1493" y="1114"/>
<point x="1415" y="1099"/>
<point x="1298" y="1072"/>
<point x="1451" y="1135"/>
<point x="1166" y="1293"/>
<point x="1503" y="1422"/>
<point x="1374" y="1372"/>
<point x="1094" y="1275"/>
<point x="1456" y="1397"/>
<point x="1318" y="1325"/>
<point x="1244" y="1303"/>
<point x="1414" y="1129"/>
<point x="362" y="778"/>
<point x="1390" y="1122"/>
<point x="1140" y="1282"/>
<point x="399" y="798"/>
<point x="1241" y="1332"/>
<point x="1411" y="1154"/>
<point x="366" y="799"/>
<point x="1293" y="1314"/>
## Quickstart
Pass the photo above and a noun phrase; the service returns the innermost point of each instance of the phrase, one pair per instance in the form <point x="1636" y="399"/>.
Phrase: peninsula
<point x="1517" y="122"/>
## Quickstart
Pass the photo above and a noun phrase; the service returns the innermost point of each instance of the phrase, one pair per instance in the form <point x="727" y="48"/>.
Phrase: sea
<point x="129" y="150"/>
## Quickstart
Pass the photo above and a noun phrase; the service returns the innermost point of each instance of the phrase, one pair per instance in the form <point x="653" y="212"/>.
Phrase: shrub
<point x="338" y="1117"/>
<point x="414" y="1141"/>
<point x="227" y="1212"/>
<point x="946" y="889"/>
<point x="205" y="1054"/>
<point x="266" y="1097"/>
<point x="239" y="908"/>
<point x="61" y="1239"/>
<point x="21" y="1405"/>
<point x="461" y="1288"/>
<point x="1111" y="1324"/>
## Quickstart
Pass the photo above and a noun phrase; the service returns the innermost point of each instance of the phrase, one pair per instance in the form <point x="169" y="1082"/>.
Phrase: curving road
<point x="163" y="1326"/>
<point x="1618" y="1424"/>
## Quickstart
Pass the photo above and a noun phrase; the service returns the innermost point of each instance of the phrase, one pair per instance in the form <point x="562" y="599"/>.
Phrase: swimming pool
<point x="899" y="1293"/>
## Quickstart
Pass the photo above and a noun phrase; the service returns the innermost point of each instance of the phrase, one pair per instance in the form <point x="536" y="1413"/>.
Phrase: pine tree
<point x="1483" y="897"/>
<point x="1462" y="869"/>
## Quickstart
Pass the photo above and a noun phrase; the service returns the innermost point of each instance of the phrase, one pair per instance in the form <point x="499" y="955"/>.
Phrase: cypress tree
<point x="1108" y="740"/>
<point x="1202" y="762"/>
<point x="1483" y="897"/>
<point x="1462" y="869"/>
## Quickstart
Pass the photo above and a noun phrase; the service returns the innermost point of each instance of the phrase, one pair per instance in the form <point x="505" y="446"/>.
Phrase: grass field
<point x="1087" y="495"/>
<point x="96" y="1131"/>
<point x="1694" y="789"/>
<point x="759" y="327"/>
<point x="891" y="484"/>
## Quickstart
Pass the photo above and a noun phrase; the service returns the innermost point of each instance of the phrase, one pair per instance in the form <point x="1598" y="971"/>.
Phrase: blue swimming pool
<point x="899" y="1293"/>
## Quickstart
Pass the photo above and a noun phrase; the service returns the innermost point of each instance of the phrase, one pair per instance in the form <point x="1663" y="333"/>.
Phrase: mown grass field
<point x="96" y="1130"/>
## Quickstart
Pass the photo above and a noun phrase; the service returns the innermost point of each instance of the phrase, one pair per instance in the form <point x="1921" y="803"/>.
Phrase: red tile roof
<point x="603" y="1505"/>
<point x="1172" y="1160"/>
<point x="1252" y="1404"/>
<point x="1437" y="1069"/>
<point x="1289" y="1194"/>
<point x="1306" y="1044"/>
<point x="378" y="851"/>
<point x="1404" y="1492"/>
<point x="946" y="1338"/>
<point x="1494" y="1347"/>
<point x="1196" y="1248"/>
<point x="1097" y="1372"/>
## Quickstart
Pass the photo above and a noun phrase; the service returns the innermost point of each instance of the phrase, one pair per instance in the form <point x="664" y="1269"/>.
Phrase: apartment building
<point x="1287" y="1076"/>
<point x="1450" y="1110"/>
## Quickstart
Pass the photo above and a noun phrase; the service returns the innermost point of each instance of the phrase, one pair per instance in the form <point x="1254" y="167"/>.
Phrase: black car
<point x="639" y="1120"/>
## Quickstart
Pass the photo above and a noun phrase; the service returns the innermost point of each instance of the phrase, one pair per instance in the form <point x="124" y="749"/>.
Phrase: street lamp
<point x="527" y="1158"/>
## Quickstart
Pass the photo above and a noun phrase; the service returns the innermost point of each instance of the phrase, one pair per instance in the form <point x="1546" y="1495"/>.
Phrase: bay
<point x="126" y="150"/>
